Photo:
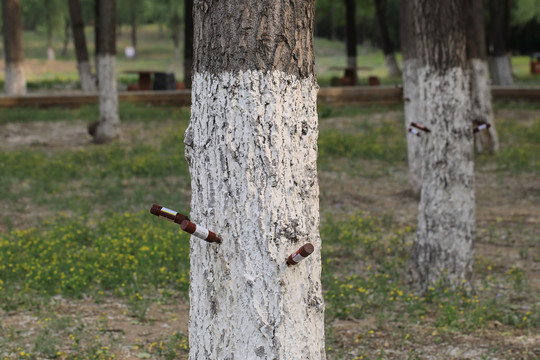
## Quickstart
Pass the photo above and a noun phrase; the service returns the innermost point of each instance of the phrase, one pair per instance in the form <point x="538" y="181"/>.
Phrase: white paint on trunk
<point x="415" y="144"/>
<point x="50" y="54"/>
<point x="501" y="70"/>
<point x="88" y="83"/>
<point x="391" y="65"/>
<point x="252" y="150"/>
<point x="482" y="110"/>
<point x="351" y="61"/>
<point x="109" y="123"/>
<point x="443" y="247"/>
<point x="15" y="81"/>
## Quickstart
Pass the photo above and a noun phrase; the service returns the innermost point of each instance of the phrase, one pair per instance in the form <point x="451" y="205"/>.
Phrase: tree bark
<point x="350" y="37"/>
<point x="176" y="34"/>
<point x="15" y="79"/>
<point x="499" y="62"/>
<point x="442" y="251"/>
<point x="108" y="127"/>
<point x="134" y="28"/>
<point x="481" y="108"/>
<point x="88" y="83"/>
<point x="188" y="42"/>
<point x="388" y="47"/>
<point x="67" y="35"/>
<point x="252" y="151"/>
<point x="415" y="144"/>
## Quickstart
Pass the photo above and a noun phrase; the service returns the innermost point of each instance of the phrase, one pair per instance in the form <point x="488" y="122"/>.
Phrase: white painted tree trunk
<point x="415" y="144"/>
<point x="501" y="70"/>
<point x="50" y="54"/>
<point x="88" y="83"/>
<point x="482" y="110"/>
<point x="443" y="248"/>
<point x="391" y="65"/>
<point x="108" y="128"/>
<point x="252" y="150"/>
<point x="15" y="81"/>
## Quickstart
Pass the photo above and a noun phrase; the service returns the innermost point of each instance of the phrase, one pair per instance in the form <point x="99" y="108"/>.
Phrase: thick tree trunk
<point x="481" y="108"/>
<point x="88" y="82"/>
<point x="499" y="62"/>
<point x="252" y="150"/>
<point x="442" y="251"/>
<point x="15" y="79"/>
<point x="388" y="47"/>
<point x="415" y="144"/>
<point x="188" y="42"/>
<point x="108" y="127"/>
<point x="350" y="11"/>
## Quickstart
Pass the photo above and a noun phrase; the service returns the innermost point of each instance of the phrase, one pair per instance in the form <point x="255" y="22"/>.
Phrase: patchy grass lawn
<point x="87" y="273"/>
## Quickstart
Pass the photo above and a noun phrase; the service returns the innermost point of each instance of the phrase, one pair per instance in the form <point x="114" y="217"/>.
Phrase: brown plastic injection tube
<point x="168" y="214"/>
<point x="420" y="127"/>
<point x="300" y="254"/>
<point x="200" y="232"/>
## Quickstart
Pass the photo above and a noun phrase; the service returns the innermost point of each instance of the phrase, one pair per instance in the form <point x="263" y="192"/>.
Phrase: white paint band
<point x="201" y="232"/>
<point x="297" y="258"/>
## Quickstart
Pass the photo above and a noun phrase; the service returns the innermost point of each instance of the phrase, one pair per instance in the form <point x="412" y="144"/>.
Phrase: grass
<point x="87" y="234"/>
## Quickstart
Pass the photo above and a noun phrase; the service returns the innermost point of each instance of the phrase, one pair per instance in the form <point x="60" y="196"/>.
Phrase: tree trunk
<point x="88" y="83"/>
<point x="188" y="42"/>
<point x="415" y="144"/>
<point x="481" y="108"/>
<point x="350" y="12"/>
<point x="134" y="28"/>
<point x="50" y="50"/>
<point x="388" y="47"/>
<point x="108" y="127"/>
<point x="499" y="62"/>
<point x="252" y="151"/>
<point x="67" y="35"/>
<point x="15" y="79"/>
<point x="442" y="251"/>
<point x="176" y="34"/>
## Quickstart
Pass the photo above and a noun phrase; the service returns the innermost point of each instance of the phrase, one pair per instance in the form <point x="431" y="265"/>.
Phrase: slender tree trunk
<point x="415" y="144"/>
<point x="388" y="47"/>
<point x="108" y="127"/>
<point x="15" y="80"/>
<point x="176" y="34"/>
<point x="350" y="12"/>
<point x="481" y="109"/>
<point x="499" y="62"/>
<point x="188" y="42"/>
<point x="134" y="28"/>
<point x="88" y="83"/>
<point x="442" y="251"/>
<point x="97" y="26"/>
<point x="50" y="50"/>
<point x="252" y="151"/>
<point x="67" y="35"/>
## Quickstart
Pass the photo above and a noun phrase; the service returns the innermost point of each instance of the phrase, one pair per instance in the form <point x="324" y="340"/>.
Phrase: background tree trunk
<point x="350" y="36"/>
<point x="15" y="80"/>
<point x="176" y="34"/>
<point x="481" y="108"/>
<point x="499" y="62"/>
<point x="108" y="127"/>
<point x="252" y="150"/>
<point x="188" y="42"/>
<point x="443" y="247"/>
<point x="67" y="36"/>
<point x="88" y="83"/>
<point x="388" y="47"/>
<point x="134" y="28"/>
<point x="415" y="144"/>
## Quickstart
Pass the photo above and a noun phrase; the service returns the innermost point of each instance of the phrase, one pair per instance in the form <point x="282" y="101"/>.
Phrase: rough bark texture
<point x="88" y="83"/>
<point x="108" y="128"/>
<point x="15" y="80"/>
<point x="252" y="150"/>
<point x="388" y="47"/>
<point x="350" y="11"/>
<point x="443" y="247"/>
<point x="415" y="144"/>
<point x="499" y="62"/>
<point x="188" y="42"/>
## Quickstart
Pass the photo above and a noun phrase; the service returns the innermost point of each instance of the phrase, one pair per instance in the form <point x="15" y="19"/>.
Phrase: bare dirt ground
<point x="508" y="233"/>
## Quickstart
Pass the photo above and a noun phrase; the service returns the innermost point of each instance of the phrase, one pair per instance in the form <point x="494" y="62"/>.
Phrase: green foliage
<point x="525" y="11"/>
